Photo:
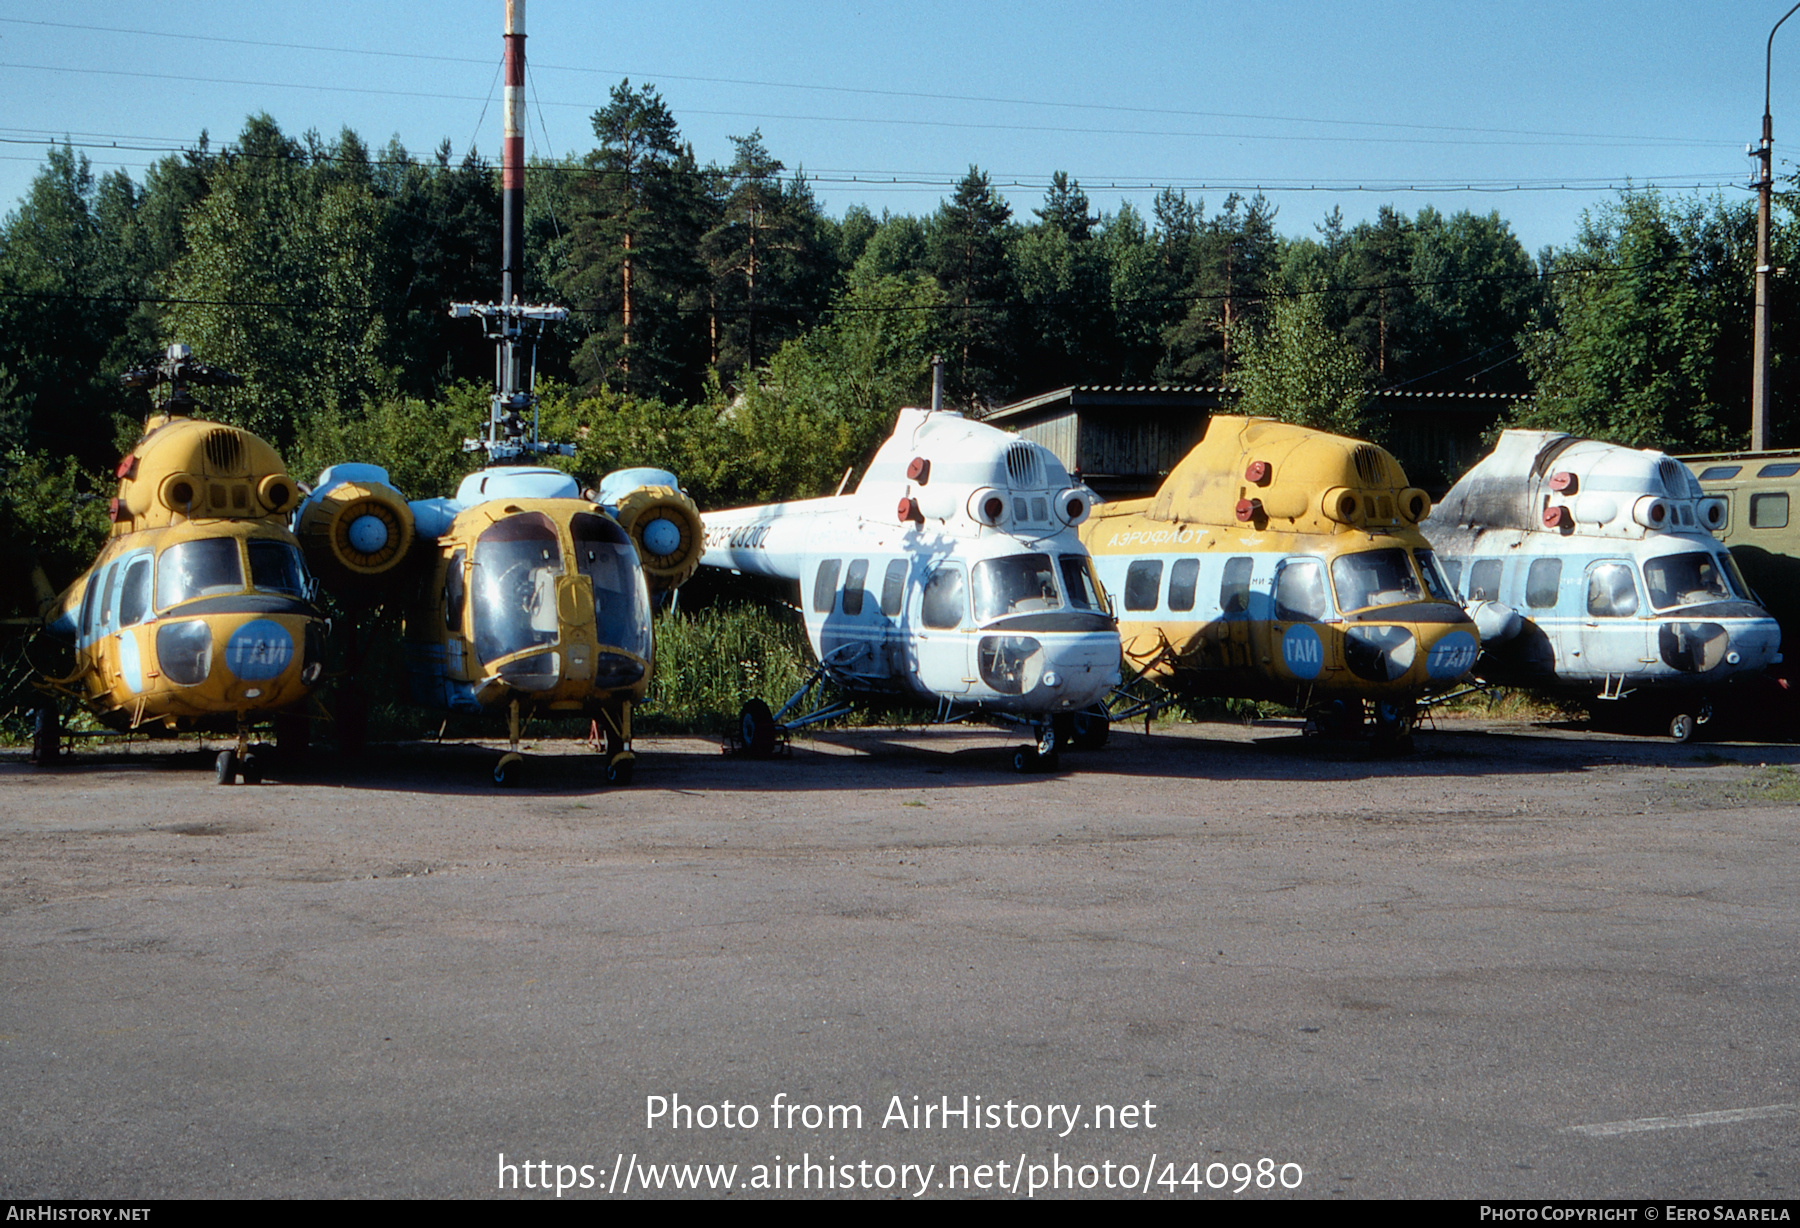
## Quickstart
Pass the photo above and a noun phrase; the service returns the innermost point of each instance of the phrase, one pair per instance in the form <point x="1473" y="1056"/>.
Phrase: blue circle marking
<point x="1453" y="656"/>
<point x="1302" y="652"/>
<point x="259" y="649"/>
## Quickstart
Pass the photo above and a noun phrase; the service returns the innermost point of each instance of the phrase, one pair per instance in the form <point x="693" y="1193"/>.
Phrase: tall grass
<point x="710" y="661"/>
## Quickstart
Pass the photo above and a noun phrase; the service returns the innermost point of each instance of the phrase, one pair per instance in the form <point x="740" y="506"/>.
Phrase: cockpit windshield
<point x="276" y="567"/>
<point x="621" y="603"/>
<point x="1432" y="572"/>
<point x="1374" y="578"/>
<point x="513" y="585"/>
<point x="1016" y="584"/>
<point x="206" y="567"/>
<point x="1685" y="579"/>
<point x="1080" y="583"/>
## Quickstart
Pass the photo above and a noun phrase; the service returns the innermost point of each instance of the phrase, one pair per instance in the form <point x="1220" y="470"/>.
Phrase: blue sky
<point x="1563" y="99"/>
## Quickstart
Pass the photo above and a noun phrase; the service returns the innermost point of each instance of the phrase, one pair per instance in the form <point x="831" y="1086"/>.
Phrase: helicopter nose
<point x="1080" y="670"/>
<point x="368" y="534"/>
<point x="1379" y="654"/>
<point x="1451" y="656"/>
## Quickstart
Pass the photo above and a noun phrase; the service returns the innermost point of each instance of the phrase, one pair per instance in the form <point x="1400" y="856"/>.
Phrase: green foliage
<point x="277" y="283"/>
<point x="824" y="404"/>
<point x="710" y="662"/>
<point x="1630" y="358"/>
<point x="634" y="267"/>
<point x="968" y="242"/>
<point x="418" y="442"/>
<point x="1298" y="370"/>
<point x="53" y="515"/>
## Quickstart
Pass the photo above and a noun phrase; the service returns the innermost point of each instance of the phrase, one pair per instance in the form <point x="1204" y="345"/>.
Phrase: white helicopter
<point x="1592" y="569"/>
<point x="953" y="577"/>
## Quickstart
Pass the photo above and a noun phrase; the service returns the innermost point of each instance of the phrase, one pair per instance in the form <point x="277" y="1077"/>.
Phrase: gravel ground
<point x="1419" y="976"/>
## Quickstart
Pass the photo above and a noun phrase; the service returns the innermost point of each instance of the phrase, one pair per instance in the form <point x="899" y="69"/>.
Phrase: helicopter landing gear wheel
<point x="250" y="768"/>
<point x="1682" y="726"/>
<point x="510" y="768"/>
<point x="225" y="767"/>
<point x="618" y="771"/>
<point x="1394" y="726"/>
<point x="756" y="729"/>
<point x="46" y="735"/>
<point x="1088" y="729"/>
<point x="1028" y="759"/>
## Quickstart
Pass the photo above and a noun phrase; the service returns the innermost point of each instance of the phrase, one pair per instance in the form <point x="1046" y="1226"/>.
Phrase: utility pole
<point x="1759" y="378"/>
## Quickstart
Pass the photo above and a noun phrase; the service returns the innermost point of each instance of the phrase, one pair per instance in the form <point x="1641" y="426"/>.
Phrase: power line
<point x="912" y="181"/>
<point x="892" y="121"/>
<point x="1069" y="304"/>
<point x="865" y="90"/>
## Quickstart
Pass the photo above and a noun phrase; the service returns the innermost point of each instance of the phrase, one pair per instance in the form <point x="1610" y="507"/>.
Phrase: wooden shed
<point x="1123" y="439"/>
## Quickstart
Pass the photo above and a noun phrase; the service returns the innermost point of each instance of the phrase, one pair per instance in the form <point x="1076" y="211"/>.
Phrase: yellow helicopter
<point x="1283" y="563"/>
<point x="522" y="593"/>
<point x="198" y="612"/>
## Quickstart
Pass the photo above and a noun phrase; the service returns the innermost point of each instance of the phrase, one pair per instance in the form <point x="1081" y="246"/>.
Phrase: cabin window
<point x="1718" y="473"/>
<point x="513" y="585"/>
<point x="104" y="615"/>
<point x="1612" y="592"/>
<point x="275" y="567"/>
<point x="1683" y="579"/>
<point x="1374" y="578"/>
<point x="1016" y="584"/>
<point x="1079" y="583"/>
<point x="454" y="592"/>
<point x="1143" y="580"/>
<point x="943" y="604"/>
<point x="1769" y="511"/>
<point x="1452" y="572"/>
<point x="1484" y="580"/>
<point x="825" y="586"/>
<point x="610" y="562"/>
<point x="854" y="578"/>
<point x="893" y="587"/>
<point x="1300" y="591"/>
<point x="1234" y="590"/>
<point x="1785" y="469"/>
<point x="1440" y="586"/>
<point x="86" y="622"/>
<point x="134" y="593"/>
<point x="207" y="567"/>
<point x="1542" y="582"/>
<point x="1184" y="577"/>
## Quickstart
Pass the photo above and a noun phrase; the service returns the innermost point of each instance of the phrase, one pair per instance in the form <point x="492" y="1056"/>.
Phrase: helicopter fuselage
<point x="1008" y="622"/>
<point x="198" y="611"/>
<point x="1282" y="563"/>
<point x="1606" y="557"/>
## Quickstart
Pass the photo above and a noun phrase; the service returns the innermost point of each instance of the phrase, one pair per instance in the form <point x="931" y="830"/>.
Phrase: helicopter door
<point x="1295" y="646"/>
<point x="853" y="635"/>
<point x="1614" y="637"/>
<point x="940" y="616"/>
<point x="1234" y="612"/>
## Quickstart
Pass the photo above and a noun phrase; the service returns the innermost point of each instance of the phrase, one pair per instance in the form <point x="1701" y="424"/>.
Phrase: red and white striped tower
<point x="512" y="160"/>
<point x="513" y="324"/>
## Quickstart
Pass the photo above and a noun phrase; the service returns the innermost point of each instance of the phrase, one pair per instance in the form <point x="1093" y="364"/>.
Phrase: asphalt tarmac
<point x="1523" y="962"/>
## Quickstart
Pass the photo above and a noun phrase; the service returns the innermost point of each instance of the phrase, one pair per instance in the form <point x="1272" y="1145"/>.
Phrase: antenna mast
<point x="513" y="324"/>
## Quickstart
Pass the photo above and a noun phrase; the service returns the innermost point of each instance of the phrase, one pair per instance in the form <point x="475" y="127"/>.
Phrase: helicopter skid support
<point x="512" y="763"/>
<point x="614" y="741"/>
